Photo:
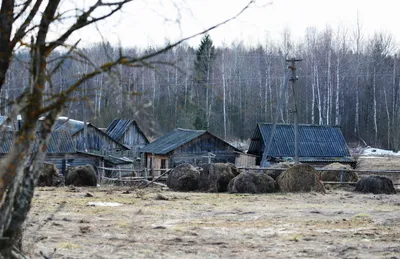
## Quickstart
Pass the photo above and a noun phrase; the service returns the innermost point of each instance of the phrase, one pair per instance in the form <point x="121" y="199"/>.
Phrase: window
<point x="163" y="163"/>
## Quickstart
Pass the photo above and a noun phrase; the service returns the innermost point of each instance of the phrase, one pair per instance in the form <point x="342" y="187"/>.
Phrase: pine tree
<point x="205" y="56"/>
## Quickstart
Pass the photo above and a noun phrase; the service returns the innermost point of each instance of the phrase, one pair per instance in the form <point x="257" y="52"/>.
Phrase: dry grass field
<point x="156" y="223"/>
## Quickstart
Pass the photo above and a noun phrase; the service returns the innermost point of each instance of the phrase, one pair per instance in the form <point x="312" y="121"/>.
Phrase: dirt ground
<point x="156" y="223"/>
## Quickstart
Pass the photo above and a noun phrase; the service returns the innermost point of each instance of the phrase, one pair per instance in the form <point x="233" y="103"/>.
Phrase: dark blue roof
<point x="175" y="139"/>
<point x="171" y="141"/>
<point x="315" y="141"/>
<point x="60" y="142"/>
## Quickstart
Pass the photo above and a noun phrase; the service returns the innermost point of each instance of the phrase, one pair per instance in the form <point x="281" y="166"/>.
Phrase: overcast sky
<point x="152" y="22"/>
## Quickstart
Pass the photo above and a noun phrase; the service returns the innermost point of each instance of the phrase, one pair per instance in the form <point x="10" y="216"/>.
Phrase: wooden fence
<point x="145" y="174"/>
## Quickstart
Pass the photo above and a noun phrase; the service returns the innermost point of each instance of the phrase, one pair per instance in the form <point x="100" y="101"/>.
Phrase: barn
<point x="128" y="133"/>
<point x="188" y="146"/>
<point x="318" y="144"/>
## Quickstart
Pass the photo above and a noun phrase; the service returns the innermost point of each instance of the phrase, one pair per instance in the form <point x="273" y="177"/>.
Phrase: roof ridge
<point x="192" y="130"/>
<point x="300" y="124"/>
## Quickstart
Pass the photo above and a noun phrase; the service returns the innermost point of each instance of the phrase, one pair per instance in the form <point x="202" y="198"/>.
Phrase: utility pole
<point x="293" y="79"/>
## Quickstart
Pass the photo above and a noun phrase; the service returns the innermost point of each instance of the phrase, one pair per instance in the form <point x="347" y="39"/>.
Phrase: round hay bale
<point x="251" y="182"/>
<point x="276" y="173"/>
<point x="184" y="177"/>
<point x="300" y="178"/>
<point x="81" y="176"/>
<point x="375" y="184"/>
<point x="50" y="176"/>
<point x="335" y="176"/>
<point x="216" y="177"/>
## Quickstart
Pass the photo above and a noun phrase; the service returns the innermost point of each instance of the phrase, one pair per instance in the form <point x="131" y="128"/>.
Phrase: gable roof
<point x="118" y="127"/>
<point x="60" y="142"/>
<point x="75" y="126"/>
<point x="314" y="141"/>
<point x="175" y="139"/>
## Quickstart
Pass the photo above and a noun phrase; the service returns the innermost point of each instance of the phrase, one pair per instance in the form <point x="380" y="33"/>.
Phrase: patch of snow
<point x="369" y="151"/>
<point x="242" y="145"/>
<point x="104" y="204"/>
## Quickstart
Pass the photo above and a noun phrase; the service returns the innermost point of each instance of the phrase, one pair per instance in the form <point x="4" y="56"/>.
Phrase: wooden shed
<point x="128" y="133"/>
<point x="318" y="144"/>
<point x="187" y="146"/>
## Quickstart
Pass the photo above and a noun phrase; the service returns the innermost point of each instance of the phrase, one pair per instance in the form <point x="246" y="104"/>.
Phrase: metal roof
<point x="314" y="141"/>
<point x="171" y="141"/>
<point x="60" y="142"/>
<point x="3" y="119"/>
<point x="70" y="125"/>
<point x="118" y="127"/>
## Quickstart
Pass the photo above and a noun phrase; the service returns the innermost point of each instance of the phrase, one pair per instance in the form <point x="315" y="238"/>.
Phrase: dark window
<point x="163" y="163"/>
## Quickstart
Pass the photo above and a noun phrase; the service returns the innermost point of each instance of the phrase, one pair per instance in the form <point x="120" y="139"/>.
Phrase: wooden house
<point x="96" y="141"/>
<point x="318" y="144"/>
<point x="188" y="146"/>
<point x="128" y="133"/>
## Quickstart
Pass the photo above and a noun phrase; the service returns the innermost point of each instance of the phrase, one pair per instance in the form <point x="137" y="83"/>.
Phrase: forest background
<point x="345" y="79"/>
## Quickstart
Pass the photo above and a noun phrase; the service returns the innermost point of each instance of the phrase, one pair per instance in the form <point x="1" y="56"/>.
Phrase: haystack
<point x="375" y="184"/>
<point x="216" y="177"/>
<point x="184" y="177"/>
<point x="251" y="182"/>
<point x="276" y="173"/>
<point x="81" y="176"/>
<point x="337" y="176"/>
<point x="50" y="176"/>
<point x="300" y="178"/>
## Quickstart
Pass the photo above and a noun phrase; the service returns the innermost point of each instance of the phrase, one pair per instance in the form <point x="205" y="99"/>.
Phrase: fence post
<point x="152" y="165"/>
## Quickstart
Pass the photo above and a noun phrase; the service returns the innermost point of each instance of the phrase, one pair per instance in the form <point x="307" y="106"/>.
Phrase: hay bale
<point x="335" y="176"/>
<point x="251" y="182"/>
<point x="216" y="177"/>
<point x="184" y="177"/>
<point x="276" y="173"/>
<point x="81" y="176"/>
<point x="300" y="178"/>
<point x="375" y="184"/>
<point x="50" y="176"/>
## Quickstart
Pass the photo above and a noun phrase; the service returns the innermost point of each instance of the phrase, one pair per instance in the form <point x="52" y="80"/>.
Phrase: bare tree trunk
<point x="337" y="103"/>
<point x="388" y="118"/>
<point x="329" y="90"/>
<point x="320" y="119"/>
<point x="224" y="93"/>
<point x="374" y="107"/>
<point x="313" y="84"/>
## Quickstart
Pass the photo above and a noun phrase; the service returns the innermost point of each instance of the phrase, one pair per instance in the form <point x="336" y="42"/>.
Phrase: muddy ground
<point x="156" y="223"/>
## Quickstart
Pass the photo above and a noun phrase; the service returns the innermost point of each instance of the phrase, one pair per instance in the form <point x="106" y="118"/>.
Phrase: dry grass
<point x="338" y="224"/>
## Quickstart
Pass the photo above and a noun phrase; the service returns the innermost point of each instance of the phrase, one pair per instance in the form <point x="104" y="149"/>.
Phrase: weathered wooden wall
<point x="133" y="138"/>
<point x="205" y="143"/>
<point x="245" y="160"/>
<point x="95" y="141"/>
